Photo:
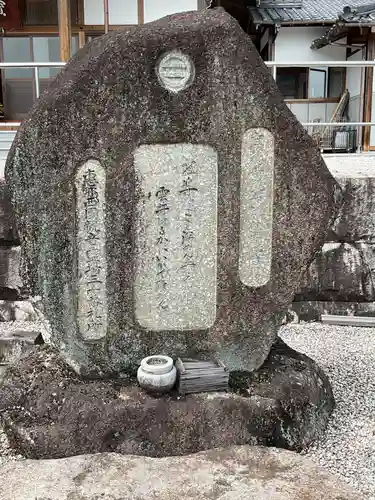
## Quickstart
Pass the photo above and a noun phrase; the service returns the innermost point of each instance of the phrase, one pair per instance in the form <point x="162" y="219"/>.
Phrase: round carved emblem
<point x="175" y="71"/>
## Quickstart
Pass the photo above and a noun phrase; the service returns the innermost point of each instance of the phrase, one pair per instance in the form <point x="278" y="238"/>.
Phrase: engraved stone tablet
<point x="183" y="121"/>
<point x="176" y="236"/>
<point x="175" y="71"/>
<point x="257" y="172"/>
<point x="91" y="255"/>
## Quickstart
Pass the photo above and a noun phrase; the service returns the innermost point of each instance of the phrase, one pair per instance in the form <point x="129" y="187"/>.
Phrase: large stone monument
<point x="167" y="200"/>
<point x="168" y="203"/>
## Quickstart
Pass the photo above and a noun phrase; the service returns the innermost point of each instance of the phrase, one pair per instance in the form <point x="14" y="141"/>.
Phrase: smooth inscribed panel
<point x="257" y="173"/>
<point x="91" y="253"/>
<point x="175" y="236"/>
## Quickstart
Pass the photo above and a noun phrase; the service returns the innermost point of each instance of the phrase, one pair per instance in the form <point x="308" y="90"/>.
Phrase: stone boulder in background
<point x="356" y="175"/>
<point x="8" y="225"/>
<point x="10" y="281"/>
<point x="341" y="280"/>
<point x="341" y="272"/>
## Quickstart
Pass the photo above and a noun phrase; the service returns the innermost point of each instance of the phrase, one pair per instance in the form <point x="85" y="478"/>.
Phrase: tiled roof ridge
<point x="324" y="11"/>
<point x="350" y="12"/>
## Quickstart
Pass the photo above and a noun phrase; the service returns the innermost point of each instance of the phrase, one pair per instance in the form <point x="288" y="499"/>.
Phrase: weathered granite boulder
<point x="49" y="412"/>
<point x="355" y="221"/>
<point x="341" y="272"/>
<point x="238" y="473"/>
<point x="344" y="271"/>
<point x="165" y="206"/>
<point x="10" y="280"/>
<point x="8" y="226"/>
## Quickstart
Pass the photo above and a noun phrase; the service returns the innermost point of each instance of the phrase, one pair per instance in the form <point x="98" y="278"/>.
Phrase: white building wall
<point x="120" y="11"/>
<point x="353" y="84"/>
<point x="160" y="8"/>
<point x="293" y="44"/>
<point x="308" y="112"/>
<point x="126" y="11"/>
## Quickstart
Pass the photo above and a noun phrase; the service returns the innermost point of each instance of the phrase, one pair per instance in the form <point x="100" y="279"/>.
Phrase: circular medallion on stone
<point x="175" y="71"/>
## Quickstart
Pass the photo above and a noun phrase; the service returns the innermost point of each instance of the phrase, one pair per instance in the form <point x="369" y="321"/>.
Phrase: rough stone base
<point x="48" y="412"/>
<point x="238" y="473"/>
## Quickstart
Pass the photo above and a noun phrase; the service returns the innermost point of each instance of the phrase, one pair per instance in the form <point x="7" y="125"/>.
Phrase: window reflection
<point x="311" y="83"/>
<point x="19" y="89"/>
<point x="45" y="12"/>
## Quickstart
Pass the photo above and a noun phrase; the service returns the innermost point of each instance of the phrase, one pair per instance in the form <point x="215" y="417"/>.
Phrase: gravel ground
<point x="347" y="355"/>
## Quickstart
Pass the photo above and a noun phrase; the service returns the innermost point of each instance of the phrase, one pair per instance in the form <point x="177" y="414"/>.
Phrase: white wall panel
<point x="120" y="12"/>
<point x="293" y="44"/>
<point x="155" y="9"/>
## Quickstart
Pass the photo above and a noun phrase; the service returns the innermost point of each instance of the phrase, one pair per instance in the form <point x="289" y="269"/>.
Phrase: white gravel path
<point x="347" y="355"/>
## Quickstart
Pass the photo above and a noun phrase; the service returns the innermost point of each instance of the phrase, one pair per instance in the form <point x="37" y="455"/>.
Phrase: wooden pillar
<point x="106" y="16"/>
<point x="368" y="93"/>
<point x="81" y="22"/>
<point x="141" y="12"/>
<point x="65" y="30"/>
<point x="81" y="39"/>
<point x="272" y="52"/>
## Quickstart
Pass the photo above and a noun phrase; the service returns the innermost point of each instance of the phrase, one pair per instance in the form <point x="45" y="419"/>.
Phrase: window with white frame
<point x="18" y="84"/>
<point x="311" y="83"/>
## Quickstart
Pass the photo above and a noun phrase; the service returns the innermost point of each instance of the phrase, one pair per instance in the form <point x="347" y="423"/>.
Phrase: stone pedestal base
<point x="49" y="412"/>
<point x="237" y="473"/>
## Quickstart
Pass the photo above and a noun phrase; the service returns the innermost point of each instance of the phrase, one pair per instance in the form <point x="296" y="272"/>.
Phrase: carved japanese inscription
<point x="175" y="236"/>
<point x="257" y="176"/>
<point x="91" y="252"/>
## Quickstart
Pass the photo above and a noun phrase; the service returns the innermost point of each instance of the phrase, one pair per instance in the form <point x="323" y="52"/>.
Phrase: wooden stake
<point x="65" y="30"/>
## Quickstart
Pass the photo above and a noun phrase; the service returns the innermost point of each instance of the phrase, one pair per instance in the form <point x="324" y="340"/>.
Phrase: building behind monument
<point x="284" y="31"/>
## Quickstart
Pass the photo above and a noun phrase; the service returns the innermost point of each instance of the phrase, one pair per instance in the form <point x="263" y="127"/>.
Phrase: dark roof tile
<point x="313" y="10"/>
